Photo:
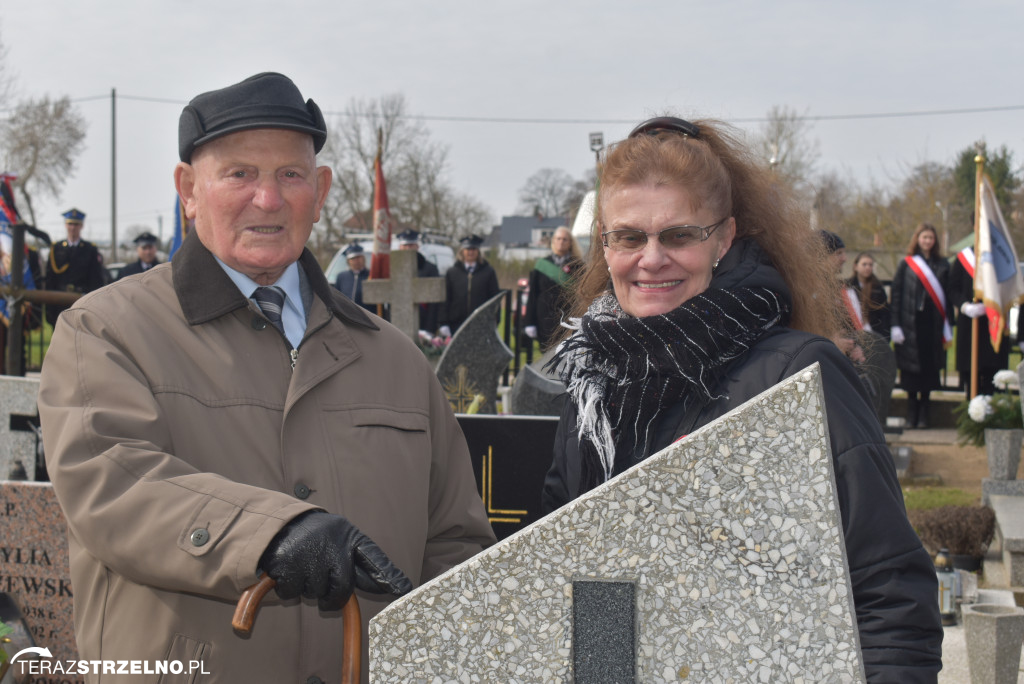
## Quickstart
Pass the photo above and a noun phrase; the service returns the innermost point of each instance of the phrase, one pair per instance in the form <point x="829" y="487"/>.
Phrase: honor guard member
<point x="75" y="265"/>
<point x="470" y="282"/>
<point x="409" y="240"/>
<point x="350" y="282"/>
<point x="145" y="247"/>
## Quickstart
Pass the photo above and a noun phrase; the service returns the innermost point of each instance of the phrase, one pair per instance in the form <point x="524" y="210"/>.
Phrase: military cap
<point x="408" y="237"/>
<point x="146" y="238"/>
<point x="471" y="242"/>
<point x="73" y="216"/>
<point x="353" y="250"/>
<point x="833" y="242"/>
<point x="267" y="100"/>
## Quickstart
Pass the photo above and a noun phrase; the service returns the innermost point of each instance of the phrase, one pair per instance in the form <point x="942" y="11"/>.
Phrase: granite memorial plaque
<point x="18" y="445"/>
<point x="537" y="391"/>
<point x="511" y="455"/>
<point x="34" y="568"/>
<point x="733" y="542"/>
<point x="404" y="291"/>
<point x="475" y="359"/>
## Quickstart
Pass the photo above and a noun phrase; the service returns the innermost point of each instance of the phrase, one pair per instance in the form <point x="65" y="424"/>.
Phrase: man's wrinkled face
<point x="255" y="196"/>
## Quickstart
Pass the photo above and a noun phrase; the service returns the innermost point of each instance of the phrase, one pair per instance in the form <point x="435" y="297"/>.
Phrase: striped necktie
<point x="271" y="302"/>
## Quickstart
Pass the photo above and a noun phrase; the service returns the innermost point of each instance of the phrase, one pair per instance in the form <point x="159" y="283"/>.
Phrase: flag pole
<point x="380" y="151"/>
<point x="979" y="163"/>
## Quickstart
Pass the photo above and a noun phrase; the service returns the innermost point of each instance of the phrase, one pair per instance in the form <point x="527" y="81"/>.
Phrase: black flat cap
<point x="266" y="100"/>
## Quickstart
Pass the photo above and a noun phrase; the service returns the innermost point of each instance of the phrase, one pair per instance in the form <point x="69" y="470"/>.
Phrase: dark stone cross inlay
<point x="603" y="632"/>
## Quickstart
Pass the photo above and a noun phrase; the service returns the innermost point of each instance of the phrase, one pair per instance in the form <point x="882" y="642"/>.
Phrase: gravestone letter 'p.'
<point x="34" y="569"/>
<point x="725" y="549"/>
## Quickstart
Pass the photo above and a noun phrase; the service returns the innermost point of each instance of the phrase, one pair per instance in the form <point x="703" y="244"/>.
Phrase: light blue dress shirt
<point x="293" y="316"/>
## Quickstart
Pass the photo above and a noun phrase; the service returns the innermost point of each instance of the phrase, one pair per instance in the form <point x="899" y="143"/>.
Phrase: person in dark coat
<point x="75" y="265"/>
<point x="470" y="282"/>
<point x="430" y="312"/>
<point x="921" y="316"/>
<point x="548" y="280"/>
<point x="874" y="304"/>
<point x="961" y="295"/>
<point x="145" y="248"/>
<point x="350" y="282"/>
<point x="707" y="293"/>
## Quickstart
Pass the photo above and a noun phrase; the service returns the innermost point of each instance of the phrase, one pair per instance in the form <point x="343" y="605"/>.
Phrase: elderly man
<point x="145" y="248"/>
<point x="241" y="419"/>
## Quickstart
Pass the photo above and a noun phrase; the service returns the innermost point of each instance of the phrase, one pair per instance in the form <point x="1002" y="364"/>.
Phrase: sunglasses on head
<point x="676" y="237"/>
<point x="666" y="124"/>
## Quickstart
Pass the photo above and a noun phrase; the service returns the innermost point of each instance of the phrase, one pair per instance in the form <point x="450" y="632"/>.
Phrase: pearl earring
<point x="715" y="265"/>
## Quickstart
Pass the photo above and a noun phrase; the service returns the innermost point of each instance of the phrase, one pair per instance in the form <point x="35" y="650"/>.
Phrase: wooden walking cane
<point x="351" y="624"/>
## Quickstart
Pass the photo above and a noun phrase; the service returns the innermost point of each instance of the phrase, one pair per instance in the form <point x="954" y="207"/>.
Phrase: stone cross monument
<point x="404" y="291"/>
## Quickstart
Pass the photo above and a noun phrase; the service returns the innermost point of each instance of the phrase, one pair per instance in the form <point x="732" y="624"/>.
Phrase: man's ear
<point x="324" y="176"/>
<point x="185" y="184"/>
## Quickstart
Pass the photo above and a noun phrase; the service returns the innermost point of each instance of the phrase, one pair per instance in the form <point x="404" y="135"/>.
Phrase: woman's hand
<point x="896" y="333"/>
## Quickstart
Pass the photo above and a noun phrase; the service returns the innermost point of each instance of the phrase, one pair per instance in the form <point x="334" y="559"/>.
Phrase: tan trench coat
<point x="180" y="440"/>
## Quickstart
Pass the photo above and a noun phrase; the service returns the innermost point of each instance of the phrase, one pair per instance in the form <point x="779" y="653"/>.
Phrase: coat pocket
<point x="187" y="660"/>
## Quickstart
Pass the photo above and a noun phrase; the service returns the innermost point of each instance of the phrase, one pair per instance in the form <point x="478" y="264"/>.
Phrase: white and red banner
<point x="997" y="278"/>
<point x="380" y="264"/>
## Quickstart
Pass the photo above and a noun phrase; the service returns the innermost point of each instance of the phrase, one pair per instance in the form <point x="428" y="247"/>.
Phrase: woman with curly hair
<point x="704" y="287"/>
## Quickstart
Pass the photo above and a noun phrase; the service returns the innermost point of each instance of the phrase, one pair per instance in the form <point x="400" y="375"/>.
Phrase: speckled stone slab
<point x="732" y="537"/>
<point x="17" y="449"/>
<point x="34" y="566"/>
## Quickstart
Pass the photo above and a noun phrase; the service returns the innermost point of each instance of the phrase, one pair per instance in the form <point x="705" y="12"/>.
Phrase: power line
<point x="558" y="121"/>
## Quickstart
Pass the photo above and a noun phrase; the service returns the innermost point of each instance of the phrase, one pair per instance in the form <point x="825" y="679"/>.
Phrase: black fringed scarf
<point x="621" y="371"/>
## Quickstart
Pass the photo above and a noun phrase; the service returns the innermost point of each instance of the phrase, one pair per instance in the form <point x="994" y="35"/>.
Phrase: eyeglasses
<point x="663" y="124"/>
<point x="677" y="237"/>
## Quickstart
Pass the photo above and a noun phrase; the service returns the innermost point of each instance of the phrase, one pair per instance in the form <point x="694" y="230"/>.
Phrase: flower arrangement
<point x="432" y="345"/>
<point x="984" y="412"/>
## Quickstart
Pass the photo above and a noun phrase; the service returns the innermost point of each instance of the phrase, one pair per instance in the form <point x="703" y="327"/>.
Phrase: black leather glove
<point x="320" y="555"/>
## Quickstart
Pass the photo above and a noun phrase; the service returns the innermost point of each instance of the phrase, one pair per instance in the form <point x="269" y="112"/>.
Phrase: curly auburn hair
<point x="723" y="175"/>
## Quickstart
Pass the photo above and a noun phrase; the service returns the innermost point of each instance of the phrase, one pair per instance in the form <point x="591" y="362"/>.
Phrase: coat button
<point x="314" y="680"/>
<point x="200" y="537"/>
<point x="258" y="323"/>
<point x="302" y="491"/>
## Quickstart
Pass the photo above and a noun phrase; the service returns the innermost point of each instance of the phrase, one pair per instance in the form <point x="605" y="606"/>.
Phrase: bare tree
<point x="785" y="145"/>
<point x="415" y="170"/>
<point x="41" y="141"/>
<point x="548" y="193"/>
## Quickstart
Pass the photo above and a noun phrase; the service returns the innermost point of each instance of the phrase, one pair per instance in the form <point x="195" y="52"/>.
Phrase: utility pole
<point x="113" y="175"/>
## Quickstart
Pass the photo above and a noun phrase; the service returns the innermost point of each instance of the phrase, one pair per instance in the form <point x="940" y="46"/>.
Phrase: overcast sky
<point x="589" y="66"/>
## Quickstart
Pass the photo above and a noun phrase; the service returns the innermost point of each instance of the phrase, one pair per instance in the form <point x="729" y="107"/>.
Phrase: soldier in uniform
<point x="145" y="247"/>
<point x="351" y="281"/>
<point x="75" y="265"/>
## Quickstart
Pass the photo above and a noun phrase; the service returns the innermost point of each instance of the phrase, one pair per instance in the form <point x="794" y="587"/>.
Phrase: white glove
<point x="972" y="309"/>
<point x="531" y="331"/>
<point x="897" y="335"/>
<point x="424" y="336"/>
<point x="445" y="331"/>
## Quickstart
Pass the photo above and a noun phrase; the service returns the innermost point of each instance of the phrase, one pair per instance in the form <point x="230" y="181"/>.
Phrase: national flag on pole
<point x="181" y="226"/>
<point x="380" y="264"/>
<point x="8" y="212"/>
<point x="997" y="278"/>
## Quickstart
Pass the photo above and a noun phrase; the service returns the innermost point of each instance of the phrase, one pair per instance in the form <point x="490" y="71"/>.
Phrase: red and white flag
<point x="380" y="264"/>
<point x="997" y="278"/>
